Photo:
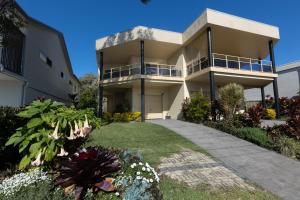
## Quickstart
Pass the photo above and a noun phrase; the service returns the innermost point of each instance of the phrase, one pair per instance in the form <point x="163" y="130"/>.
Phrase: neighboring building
<point x="288" y="83"/>
<point x="154" y="70"/>
<point x="38" y="66"/>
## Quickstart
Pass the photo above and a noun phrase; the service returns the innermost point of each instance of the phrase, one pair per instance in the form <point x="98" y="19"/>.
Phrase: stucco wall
<point x="11" y="93"/>
<point x="41" y="77"/>
<point x="288" y="86"/>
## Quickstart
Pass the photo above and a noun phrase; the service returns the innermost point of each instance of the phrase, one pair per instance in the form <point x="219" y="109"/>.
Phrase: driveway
<point x="268" y="169"/>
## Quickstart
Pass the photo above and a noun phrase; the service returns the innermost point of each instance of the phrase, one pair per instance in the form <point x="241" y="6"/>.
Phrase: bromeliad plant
<point x="89" y="168"/>
<point x="49" y="126"/>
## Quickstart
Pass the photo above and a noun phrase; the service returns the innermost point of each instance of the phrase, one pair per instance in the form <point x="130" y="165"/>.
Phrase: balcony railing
<point x="152" y="69"/>
<point x="230" y="62"/>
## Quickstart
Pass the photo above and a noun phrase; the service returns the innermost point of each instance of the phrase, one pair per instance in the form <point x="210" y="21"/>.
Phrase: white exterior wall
<point x="11" y="93"/>
<point x="43" y="80"/>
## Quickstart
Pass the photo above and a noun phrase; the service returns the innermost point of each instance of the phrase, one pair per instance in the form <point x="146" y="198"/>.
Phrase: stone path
<point x="272" y="171"/>
<point x="195" y="168"/>
<point x="271" y="123"/>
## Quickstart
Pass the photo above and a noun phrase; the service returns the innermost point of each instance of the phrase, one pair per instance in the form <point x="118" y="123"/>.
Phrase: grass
<point x="257" y="136"/>
<point x="156" y="142"/>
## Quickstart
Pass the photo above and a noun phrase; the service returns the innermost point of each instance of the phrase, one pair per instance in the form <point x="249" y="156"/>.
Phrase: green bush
<point x="48" y="126"/>
<point x="195" y="109"/>
<point x="8" y="123"/>
<point x="288" y="146"/>
<point x="257" y="136"/>
<point x="122" y="117"/>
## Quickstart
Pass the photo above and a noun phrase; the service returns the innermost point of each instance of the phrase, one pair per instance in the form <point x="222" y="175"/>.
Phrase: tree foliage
<point x="10" y="22"/>
<point x="88" y="92"/>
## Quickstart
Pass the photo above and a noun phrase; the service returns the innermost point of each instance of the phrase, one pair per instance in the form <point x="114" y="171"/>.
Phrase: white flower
<point x="132" y="166"/>
<point x="148" y="169"/>
<point x="54" y="135"/>
<point x="37" y="161"/>
<point x="139" y="177"/>
<point x="72" y="136"/>
<point x="144" y="168"/>
<point x="76" y="154"/>
<point x="140" y="163"/>
<point x="86" y="127"/>
<point x="138" y="173"/>
<point x="62" y="153"/>
<point x="117" y="194"/>
<point x="151" y="180"/>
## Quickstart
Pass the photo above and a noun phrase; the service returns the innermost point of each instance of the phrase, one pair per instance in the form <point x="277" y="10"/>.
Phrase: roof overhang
<point x="233" y="35"/>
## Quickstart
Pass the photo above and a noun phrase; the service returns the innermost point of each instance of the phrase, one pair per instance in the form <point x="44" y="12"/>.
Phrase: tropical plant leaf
<point x="24" y="162"/>
<point x="34" y="122"/>
<point x="23" y="145"/>
<point x="106" y="185"/>
<point x="15" y="139"/>
<point x="28" y="113"/>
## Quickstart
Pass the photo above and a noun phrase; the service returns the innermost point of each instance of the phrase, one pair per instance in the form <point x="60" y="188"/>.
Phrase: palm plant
<point x="231" y="98"/>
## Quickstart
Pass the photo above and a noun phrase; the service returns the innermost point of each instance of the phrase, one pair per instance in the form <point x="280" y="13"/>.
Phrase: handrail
<point x="155" y="69"/>
<point x="232" y="62"/>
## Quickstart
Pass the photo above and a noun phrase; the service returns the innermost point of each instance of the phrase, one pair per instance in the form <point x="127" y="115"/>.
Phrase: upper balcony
<point x="230" y="62"/>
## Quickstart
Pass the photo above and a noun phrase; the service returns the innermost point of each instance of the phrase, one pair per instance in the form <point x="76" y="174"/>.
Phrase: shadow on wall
<point x="126" y="36"/>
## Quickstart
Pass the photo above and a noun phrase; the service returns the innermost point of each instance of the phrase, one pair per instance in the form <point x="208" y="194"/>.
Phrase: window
<point x="70" y="82"/>
<point x="45" y="59"/>
<point x="61" y="74"/>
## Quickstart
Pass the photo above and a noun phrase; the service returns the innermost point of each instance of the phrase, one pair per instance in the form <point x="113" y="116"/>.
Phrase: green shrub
<point x="195" y="109"/>
<point x="49" y="125"/>
<point x="8" y="123"/>
<point x="231" y="99"/>
<point x="288" y="146"/>
<point x="117" y="117"/>
<point x="257" y="136"/>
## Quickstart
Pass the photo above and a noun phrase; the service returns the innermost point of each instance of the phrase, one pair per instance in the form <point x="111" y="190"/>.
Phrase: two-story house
<point x="37" y="65"/>
<point x="154" y="70"/>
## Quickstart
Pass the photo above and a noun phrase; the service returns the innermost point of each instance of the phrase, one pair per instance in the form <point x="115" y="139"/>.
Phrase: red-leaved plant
<point x="88" y="168"/>
<point x="254" y="115"/>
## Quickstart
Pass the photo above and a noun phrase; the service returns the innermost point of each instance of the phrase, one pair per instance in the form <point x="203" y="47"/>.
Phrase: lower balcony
<point x="230" y="62"/>
<point x="152" y="70"/>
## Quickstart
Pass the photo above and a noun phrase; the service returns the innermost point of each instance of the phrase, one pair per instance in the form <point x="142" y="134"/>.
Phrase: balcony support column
<point x="211" y="75"/>
<point x="275" y="85"/>
<point x="100" y="89"/>
<point x="209" y="48"/>
<point x="142" y="81"/>
<point x="212" y="94"/>
<point x="263" y="97"/>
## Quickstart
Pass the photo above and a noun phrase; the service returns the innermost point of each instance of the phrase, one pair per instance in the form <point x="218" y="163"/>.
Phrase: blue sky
<point x="83" y="21"/>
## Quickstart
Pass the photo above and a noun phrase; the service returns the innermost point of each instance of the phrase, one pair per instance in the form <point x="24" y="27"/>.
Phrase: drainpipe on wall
<point x="24" y="88"/>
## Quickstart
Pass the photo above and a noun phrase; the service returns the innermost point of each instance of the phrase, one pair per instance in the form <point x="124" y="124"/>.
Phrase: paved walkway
<point x="268" y="169"/>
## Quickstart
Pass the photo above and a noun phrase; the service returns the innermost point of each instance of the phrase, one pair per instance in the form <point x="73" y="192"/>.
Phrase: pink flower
<point x="37" y="161"/>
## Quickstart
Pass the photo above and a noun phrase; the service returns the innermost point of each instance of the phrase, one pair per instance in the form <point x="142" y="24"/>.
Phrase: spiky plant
<point x="88" y="168"/>
<point x="231" y="98"/>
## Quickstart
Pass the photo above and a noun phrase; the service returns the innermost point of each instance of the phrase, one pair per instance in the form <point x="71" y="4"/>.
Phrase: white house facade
<point x="154" y="70"/>
<point x="38" y="65"/>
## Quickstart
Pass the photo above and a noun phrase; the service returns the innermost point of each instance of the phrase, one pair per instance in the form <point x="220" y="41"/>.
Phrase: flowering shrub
<point x="13" y="184"/>
<point x="270" y="113"/>
<point x="122" y="117"/>
<point x="49" y="125"/>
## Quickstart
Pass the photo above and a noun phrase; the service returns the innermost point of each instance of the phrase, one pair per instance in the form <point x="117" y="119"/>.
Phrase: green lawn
<point x="155" y="142"/>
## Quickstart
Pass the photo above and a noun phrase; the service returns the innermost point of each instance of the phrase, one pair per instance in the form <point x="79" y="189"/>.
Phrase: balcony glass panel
<point x="204" y="63"/>
<point x="151" y="69"/>
<point x="163" y="71"/>
<point x="115" y="73"/>
<point x="256" y="66"/>
<point x="106" y="74"/>
<point x="233" y="64"/>
<point x="135" y="70"/>
<point x="220" y="62"/>
<point x="245" y="66"/>
<point x="267" y="68"/>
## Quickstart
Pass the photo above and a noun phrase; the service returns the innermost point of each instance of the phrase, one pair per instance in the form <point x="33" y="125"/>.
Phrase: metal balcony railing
<point x="152" y="69"/>
<point x="230" y="62"/>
